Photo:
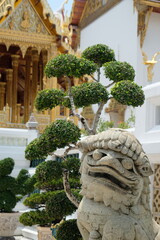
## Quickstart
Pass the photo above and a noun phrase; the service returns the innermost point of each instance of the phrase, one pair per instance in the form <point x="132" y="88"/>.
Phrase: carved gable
<point x="24" y="18"/>
<point x="95" y="8"/>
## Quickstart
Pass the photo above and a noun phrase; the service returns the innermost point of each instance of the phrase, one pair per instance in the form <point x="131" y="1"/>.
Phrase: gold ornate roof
<point x="54" y="22"/>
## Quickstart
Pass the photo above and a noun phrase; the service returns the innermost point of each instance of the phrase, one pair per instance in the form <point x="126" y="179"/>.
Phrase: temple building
<point x="30" y="35"/>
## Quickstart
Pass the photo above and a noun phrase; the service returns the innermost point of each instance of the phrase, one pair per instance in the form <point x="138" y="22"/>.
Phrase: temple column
<point x="9" y="78"/>
<point x="44" y="62"/>
<point x="35" y="59"/>
<point x="27" y="91"/>
<point x="18" y="110"/>
<point x="15" y="85"/>
<point x="2" y="94"/>
<point x="55" y="111"/>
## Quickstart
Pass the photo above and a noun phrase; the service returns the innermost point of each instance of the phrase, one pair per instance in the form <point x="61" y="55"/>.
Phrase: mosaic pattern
<point x="156" y="193"/>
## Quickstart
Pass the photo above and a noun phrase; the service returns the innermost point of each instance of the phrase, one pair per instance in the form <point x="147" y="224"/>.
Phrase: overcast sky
<point x="56" y="4"/>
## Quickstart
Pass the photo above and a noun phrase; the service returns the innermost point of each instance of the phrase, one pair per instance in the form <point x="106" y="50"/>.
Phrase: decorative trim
<point x="94" y="10"/>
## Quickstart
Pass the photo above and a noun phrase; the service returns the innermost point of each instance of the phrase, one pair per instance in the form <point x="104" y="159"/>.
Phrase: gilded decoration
<point x="24" y="18"/>
<point x="95" y="8"/>
<point x="150" y="64"/>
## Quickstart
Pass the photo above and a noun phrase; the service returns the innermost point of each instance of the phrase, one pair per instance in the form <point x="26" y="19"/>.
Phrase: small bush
<point x="6" y="166"/>
<point x="68" y="230"/>
<point x="48" y="99"/>
<point x="128" y="93"/>
<point x="47" y="171"/>
<point x="69" y="65"/>
<point x="36" y="217"/>
<point x="117" y="71"/>
<point x="59" y="206"/>
<point x="87" y="94"/>
<point x="7" y="201"/>
<point x="99" y="54"/>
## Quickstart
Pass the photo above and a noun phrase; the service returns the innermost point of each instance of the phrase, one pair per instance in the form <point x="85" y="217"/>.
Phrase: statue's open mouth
<point x="111" y="177"/>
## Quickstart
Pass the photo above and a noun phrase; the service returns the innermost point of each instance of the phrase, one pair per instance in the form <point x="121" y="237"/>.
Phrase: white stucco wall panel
<point x="116" y="28"/>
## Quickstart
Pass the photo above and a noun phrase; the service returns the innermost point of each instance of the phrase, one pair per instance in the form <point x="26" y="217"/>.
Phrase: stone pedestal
<point x="8" y="224"/>
<point x="44" y="233"/>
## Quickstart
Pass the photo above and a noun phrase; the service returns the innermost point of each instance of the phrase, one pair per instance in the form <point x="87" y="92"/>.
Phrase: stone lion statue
<point x="115" y="187"/>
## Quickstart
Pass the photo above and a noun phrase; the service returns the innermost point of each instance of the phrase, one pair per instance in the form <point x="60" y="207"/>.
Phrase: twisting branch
<point x="109" y="85"/>
<point x="98" y="73"/>
<point x="67" y="188"/>
<point x="79" y="116"/>
<point x="64" y="155"/>
<point x="94" y="78"/>
<point x="97" y="117"/>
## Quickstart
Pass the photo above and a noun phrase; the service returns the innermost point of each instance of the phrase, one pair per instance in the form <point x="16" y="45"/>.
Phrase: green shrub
<point x="87" y="94"/>
<point x="69" y="65"/>
<point x="10" y="186"/>
<point x="117" y="71"/>
<point x="58" y="184"/>
<point x="47" y="171"/>
<point x="36" y="149"/>
<point x="6" y="166"/>
<point x="36" y="217"/>
<point x="62" y="133"/>
<point x="24" y="182"/>
<point x="48" y="99"/>
<point x="128" y="93"/>
<point x="36" y="200"/>
<point x="72" y="165"/>
<point x="59" y="206"/>
<point x="99" y="54"/>
<point x="68" y="230"/>
<point x="104" y="125"/>
<point x="7" y="201"/>
<point x="8" y="183"/>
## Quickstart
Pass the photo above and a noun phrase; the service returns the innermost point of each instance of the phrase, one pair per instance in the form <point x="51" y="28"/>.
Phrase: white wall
<point x="116" y="28"/>
<point x="13" y="143"/>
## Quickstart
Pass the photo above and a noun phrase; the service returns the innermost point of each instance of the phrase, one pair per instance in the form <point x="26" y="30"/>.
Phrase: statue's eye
<point x="127" y="163"/>
<point x="97" y="155"/>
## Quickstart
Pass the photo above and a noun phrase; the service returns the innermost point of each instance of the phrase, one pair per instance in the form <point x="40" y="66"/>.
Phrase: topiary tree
<point x="10" y="187"/>
<point x="52" y="204"/>
<point x="63" y="133"/>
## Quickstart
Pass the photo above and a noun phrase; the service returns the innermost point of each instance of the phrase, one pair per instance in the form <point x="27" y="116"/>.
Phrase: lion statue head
<point x="115" y="170"/>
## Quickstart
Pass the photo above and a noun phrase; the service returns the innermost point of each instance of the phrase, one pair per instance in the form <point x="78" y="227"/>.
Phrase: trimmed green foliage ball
<point x="117" y="71"/>
<point x="35" y="217"/>
<point x="99" y="54"/>
<point x="6" y="166"/>
<point x="68" y="230"/>
<point x="59" y="206"/>
<point x="58" y="135"/>
<point x="8" y="183"/>
<point x="37" y="199"/>
<point x="89" y="93"/>
<point x="62" y="133"/>
<point x="49" y="170"/>
<point x="36" y="149"/>
<point x="7" y="201"/>
<point x="69" y="65"/>
<point x="128" y="93"/>
<point x="25" y="182"/>
<point x="48" y="99"/>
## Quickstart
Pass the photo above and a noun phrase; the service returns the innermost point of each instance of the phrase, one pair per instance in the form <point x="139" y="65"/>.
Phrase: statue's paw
<point x="94" y="235"/>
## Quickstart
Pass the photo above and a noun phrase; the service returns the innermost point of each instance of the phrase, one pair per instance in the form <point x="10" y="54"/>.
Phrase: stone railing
<point x="5" y="115"/>
<point x="43" y="120"/>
